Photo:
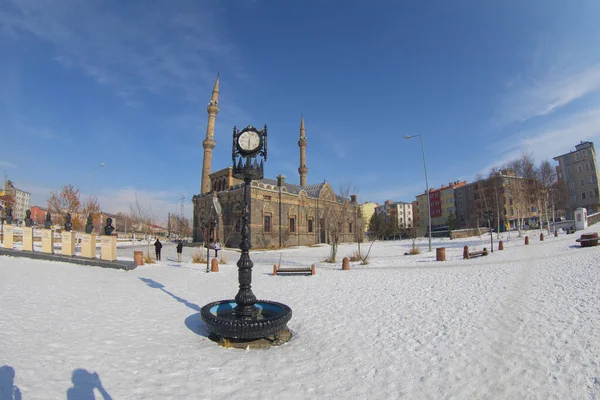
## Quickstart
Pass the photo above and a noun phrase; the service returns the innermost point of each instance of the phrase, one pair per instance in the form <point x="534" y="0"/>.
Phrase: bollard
<point x="274" y="269"/>
<point x="541" y="237"/>
<point x="526" y="239"/>
<point x="440" y="254"/>
<point x="466" y="255"/>
<point x="313" y="270"/>
<point x="214" y="265"/>
<point x="555" y="233"/>
<point x="500" y="245"/>
<point x="345" y="264"/>
<point x="138" y="257"/>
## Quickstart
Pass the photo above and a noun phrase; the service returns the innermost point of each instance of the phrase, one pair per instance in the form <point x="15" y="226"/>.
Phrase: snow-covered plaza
<point x="520" y="323"/>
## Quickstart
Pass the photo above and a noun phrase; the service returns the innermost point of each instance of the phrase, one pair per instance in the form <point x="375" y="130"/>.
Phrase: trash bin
<point x="138" y="257"/>
<point x="440" y="254"/>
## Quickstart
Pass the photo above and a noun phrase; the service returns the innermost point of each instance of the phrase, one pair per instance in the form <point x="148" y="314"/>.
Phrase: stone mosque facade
<point x="281" y="214"/>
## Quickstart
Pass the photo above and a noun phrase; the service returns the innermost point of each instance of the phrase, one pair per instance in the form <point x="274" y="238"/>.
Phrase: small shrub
<point x="364" y="261"/>
<point x="223" y="259"/>
<point x="148" y="259"/>
<point x="329" y="260"/>
<point x="355" y="256"/>
<point x="414" y="250"/>
<point x="198" y="258"/>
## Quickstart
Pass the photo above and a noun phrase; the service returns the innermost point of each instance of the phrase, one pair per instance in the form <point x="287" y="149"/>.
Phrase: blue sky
<point x="127" y="84"/>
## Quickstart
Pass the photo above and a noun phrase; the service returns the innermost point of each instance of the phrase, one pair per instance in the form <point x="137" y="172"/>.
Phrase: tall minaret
<point x="209" y="142"/>
<point x="302" y="144"/>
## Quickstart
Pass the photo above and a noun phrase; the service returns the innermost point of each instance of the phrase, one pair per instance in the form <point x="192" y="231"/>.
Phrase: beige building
<point x="21" y="198"/>
<point x="512" y="199"/>
<point x="281" y="214"/>
<point x="578" y="170"/>
<point x="367" y="210"/>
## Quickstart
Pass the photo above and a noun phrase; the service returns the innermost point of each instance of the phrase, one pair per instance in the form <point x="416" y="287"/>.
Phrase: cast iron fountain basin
<point x="271" y="319"/>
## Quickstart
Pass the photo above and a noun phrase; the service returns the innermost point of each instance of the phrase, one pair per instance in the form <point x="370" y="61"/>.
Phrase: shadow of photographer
<point x="8" y="389"/>
<point x="84" y="383"/>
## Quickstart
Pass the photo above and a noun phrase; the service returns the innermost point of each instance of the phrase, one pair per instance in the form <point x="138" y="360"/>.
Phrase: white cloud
<point x="146" y="46"/>
<point x="7" y="164"/>
<point x="529" y="98"/>
<point x="158" y="203"/>
<point x="549" y="141"/>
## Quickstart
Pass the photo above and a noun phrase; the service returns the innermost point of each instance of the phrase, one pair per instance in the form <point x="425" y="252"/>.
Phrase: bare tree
<point x="91" y="207"/>
<point x="144" y="218"/>
<point x="127" y="221"/>
<point x="377" y="230"/>
<point x="493" y="196"/>
<point x="63" y="202"/>
<point x="334" y="219"/>
<point x="546" y="175"/>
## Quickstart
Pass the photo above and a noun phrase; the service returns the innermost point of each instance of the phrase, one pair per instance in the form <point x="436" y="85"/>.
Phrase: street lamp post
<point x="426" y="183"/>
<point x="490" y="216"/>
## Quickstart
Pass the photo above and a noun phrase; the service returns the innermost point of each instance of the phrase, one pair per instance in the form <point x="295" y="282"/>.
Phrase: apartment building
<point x="399" y="211"/>
<point x="21" y="199"/>
<point x="510" y="197"/>
<point x="578" y="171"/>
<point x="441" y="203"/>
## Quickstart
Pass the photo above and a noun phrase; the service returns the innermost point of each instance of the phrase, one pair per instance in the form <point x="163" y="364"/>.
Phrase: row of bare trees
<point x="531" y="186"/>
<point x="68" y="201"/>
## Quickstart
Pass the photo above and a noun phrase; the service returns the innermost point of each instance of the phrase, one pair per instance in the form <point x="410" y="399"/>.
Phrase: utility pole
<point x="169" y="225"/>
<point x="181" y="224"/>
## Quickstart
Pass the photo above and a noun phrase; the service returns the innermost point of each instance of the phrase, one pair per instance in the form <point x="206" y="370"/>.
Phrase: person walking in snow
<point x="217" y="248"/>
<point x="157" y="247"/>
<point x="179" y="251"/>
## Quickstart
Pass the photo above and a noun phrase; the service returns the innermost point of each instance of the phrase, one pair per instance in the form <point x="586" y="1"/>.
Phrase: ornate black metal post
<point x="245" y="317"/>
<point x="245" y="299"/>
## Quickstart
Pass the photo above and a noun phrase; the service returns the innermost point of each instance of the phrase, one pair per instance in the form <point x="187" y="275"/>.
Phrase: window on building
<point x="596" y="192"/>
<point x="590" y="179"/>
<point x="267" y="223"/>
<point x="579" y="168"/>
<point x="350" y="227"/>
<point x="237" y="225"/>
<point x="310" y="225"/>
<point x="267" y="198"/>
<point x="577" y="156"/>
<point x="581" y="182"/>
<point x="292" y="224"/>
<point x="533" y="209"/>
<point x="582" y="195"/>
<point x="591" y="194"/>
<point x="587" y="166"/>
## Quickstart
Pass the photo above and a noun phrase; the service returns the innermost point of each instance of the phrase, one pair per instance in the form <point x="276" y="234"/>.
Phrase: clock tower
<point x="209" y="142"/>
<point x="302" y="144"/>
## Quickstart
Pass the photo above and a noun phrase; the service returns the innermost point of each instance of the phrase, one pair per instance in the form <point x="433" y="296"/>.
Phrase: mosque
<point x="281" y="214"/>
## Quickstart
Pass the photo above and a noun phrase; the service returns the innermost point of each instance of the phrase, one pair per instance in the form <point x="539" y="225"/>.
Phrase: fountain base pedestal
<point x="223" y="322"/>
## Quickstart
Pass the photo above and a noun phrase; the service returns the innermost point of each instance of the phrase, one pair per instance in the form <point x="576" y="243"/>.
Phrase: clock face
<point x="249" y="141"/>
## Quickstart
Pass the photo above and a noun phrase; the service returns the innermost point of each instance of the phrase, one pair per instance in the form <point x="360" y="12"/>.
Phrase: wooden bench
<point x="483" y="252"/>
<point x="469" y="254"/>
<point x="588" y="239"/>
<point x="299" y="270"/>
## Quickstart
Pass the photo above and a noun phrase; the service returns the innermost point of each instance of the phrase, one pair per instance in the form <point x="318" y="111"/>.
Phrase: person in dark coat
<point x="179" y="250"/>
<point x="157" y="247"/>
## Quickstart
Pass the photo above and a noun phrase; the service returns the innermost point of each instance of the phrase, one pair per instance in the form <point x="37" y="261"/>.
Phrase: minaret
<point x="209" y="142"/>
<point x="302" y="144"/>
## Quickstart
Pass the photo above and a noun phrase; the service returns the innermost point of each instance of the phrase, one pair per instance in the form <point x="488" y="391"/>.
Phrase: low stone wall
<point x="593" y="218"/>
<point x="464" y="233"/>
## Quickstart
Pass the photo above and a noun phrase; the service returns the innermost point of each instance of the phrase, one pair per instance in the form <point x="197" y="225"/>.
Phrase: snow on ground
<point x="520" y="323"/>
